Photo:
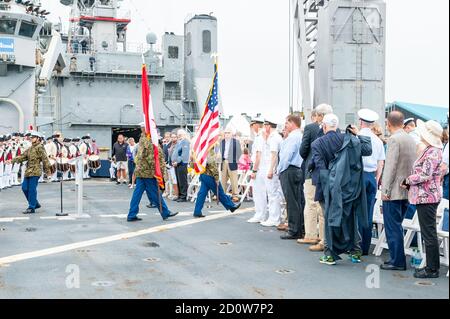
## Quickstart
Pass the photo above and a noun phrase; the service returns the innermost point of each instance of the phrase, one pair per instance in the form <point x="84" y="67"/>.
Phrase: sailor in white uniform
<point x="259" y="185"/>
<point x="373" y="169"/>
<point x="272" y="181"/>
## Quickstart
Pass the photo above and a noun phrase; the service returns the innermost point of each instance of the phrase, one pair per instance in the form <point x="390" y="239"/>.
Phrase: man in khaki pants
<point x="231" y="152"/>
<point x="314" y="219"/>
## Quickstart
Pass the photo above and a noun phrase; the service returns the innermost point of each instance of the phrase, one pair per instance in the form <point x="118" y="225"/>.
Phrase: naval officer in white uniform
<point x="373" y="169"/>
<point x="267" y="179"/>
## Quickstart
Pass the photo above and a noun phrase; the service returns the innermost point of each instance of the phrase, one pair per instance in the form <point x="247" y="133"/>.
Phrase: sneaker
<point x="327" y="260"/>
<point x="254" y="221"/>
<point x="269" y="224"/>
<point x="355" y="258"/>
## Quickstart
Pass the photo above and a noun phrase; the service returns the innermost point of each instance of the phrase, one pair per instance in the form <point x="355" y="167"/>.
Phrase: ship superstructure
<point x="100" y="91"/>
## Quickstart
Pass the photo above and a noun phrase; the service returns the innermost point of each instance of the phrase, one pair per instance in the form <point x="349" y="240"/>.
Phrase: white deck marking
<point x="187" y="214"/>
<point x="71" y="217"/>
<point x="109" y="239"/>
<point x="13" y="219"/>
<point x="119" y="216"/>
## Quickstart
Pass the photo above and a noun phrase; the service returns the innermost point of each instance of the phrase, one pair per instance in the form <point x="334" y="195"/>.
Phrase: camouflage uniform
<point x="209" y="182"/>
<point x="145" y="164"/>
<point x="34" y="156"/>
<point x="146" y="181"/>
<point x="211" y="165"/>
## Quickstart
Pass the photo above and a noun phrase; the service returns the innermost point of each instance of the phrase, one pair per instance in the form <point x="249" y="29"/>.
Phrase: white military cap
<point x="408" y="121"/>
<point x="269" y="121"/>
<point x="35" y="134"/>
<point x="142" y="124"/>
<point x="368" y="116"/>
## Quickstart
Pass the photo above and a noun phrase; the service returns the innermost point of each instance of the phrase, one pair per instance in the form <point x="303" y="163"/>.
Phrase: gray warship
<point x="88" y="80"/>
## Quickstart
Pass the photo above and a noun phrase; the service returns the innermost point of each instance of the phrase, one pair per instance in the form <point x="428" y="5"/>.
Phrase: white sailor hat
<point x="142" y="124"/>
<point x="270" y="122"/>
<point x="409" y="121"/>
<point x="257" y="120"/>
<point x="368" y="116"/>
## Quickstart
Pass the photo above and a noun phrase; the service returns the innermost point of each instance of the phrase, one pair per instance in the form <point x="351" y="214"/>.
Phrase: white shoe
<point x="269" y="224"/>
<point x="254" y="221"/>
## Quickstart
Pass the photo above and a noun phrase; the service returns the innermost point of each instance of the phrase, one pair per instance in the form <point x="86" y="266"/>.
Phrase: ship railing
<point x="135" y="47"/>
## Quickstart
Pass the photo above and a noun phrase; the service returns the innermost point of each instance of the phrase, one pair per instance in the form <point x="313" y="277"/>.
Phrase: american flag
<point x="150" y="123"/>
<point x="208" y="131"/>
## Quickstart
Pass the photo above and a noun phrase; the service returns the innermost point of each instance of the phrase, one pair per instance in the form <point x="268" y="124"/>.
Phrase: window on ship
<point x="8" y="26"/>
<point x="27" y="29"/>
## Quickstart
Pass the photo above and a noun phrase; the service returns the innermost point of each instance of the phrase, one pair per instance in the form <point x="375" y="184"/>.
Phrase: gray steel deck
<point x="190" y="261"/>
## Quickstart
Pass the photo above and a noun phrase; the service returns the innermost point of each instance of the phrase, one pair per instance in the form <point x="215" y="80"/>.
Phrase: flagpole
<point x="148" y="128"/>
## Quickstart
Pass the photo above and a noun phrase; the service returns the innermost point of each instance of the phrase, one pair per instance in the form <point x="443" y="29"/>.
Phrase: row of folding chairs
<point x="412" y="229"/>
<point x="244" y="186"/>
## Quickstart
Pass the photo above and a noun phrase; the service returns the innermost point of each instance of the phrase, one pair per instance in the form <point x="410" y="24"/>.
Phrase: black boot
<point x="426" y="273"/>
<point x="29" y="211"/>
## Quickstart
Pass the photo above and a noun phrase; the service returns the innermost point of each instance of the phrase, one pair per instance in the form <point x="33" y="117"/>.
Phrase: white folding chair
<point x="412" y="227"/>
<point x="245" y="183"/>
<point x="442" y="235"/>
<point x="378" y="218"/>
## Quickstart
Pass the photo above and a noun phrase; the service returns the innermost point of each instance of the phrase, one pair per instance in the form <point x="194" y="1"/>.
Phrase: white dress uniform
<point x="258" y="184"/>
<point x="378" y="152"/>
<point x="273" y="186"/>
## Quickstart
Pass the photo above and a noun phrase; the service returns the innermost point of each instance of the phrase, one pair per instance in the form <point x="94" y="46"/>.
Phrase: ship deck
<point x="221" y="256"/>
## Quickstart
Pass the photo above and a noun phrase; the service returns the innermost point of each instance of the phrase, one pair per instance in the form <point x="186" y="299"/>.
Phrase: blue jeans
<point x="150" y="186"/>
<point x="131" y="167"/>
<point x="209" y="184"/>
<point x="446" y="185"/>
<point x="394" y="213"/>
<point x="371" y="193"/>
<point x="29" y="188"/>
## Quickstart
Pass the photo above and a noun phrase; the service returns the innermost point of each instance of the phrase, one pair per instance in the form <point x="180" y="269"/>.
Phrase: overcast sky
<point x="253" y="47"/>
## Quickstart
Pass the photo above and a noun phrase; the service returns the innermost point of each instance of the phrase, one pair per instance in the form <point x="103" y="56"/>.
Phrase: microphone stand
<point x="61" y="213"/>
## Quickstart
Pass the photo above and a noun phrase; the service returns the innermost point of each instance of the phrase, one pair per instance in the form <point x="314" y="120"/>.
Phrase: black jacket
<point x="312" y="132"/>
<point x="120" y="152"/>
<point x="345" y="194"/>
